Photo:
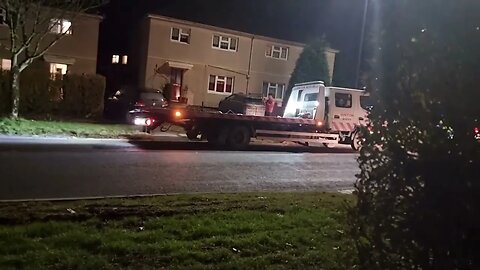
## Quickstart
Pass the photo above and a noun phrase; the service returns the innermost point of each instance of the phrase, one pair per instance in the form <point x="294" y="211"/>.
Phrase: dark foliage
<point x="419" y="186"/>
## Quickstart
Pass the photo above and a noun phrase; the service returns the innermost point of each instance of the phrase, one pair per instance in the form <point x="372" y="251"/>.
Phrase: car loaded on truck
<point x="314" y="115"/>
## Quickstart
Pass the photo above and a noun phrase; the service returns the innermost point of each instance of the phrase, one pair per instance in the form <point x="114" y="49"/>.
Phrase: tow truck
<point x="314" y="115"/>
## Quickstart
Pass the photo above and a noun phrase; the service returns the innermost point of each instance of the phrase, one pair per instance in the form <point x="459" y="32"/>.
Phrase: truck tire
<point x="218" y="137"/>
<point x="192" y="135"/>
<point x="356" y="142"/>
<point x="238" y="137"/>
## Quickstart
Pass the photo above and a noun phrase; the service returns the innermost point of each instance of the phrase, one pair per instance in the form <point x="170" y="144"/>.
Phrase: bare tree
<point x="35" y="26"/>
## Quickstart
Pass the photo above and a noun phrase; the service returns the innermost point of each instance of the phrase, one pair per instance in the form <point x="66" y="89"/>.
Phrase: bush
<point x="84" y="95"/>
<point x="419" y="187"/>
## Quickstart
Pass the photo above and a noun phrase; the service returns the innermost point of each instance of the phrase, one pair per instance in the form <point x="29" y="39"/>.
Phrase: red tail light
<point x="476" y="130"/>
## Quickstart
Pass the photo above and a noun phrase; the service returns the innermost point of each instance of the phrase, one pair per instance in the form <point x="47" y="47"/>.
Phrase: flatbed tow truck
<point x="314" y="115"/>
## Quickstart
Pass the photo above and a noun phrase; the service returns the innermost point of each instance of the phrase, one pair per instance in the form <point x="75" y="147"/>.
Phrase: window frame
<point x="53" y="75"/>
<point x="276" y="86"/>
<point x="278" y="49"/>
<point x="57" y="26"/>
<point x="218" y="78"/>
<point x="225" y="40"/>
<point x="181" y="32"/>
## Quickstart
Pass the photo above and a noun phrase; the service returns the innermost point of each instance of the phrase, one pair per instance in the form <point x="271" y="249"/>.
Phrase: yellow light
<point x="178" y="114"/>
<point x="319" y="123"/>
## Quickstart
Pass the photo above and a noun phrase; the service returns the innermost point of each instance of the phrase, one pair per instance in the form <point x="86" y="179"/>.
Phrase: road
<point x="68" y="168"/>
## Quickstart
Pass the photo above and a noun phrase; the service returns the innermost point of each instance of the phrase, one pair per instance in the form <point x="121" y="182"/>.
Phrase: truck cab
<point x="341" y="110"/>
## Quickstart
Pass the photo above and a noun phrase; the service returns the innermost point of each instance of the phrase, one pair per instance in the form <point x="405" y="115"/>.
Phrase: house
<point x="206" y="63"/>
<point x="75" y="53"/>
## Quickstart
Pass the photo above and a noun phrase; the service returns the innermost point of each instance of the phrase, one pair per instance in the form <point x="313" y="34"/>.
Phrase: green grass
<point x="33" y="127"/>
<point x="224" y="231"/>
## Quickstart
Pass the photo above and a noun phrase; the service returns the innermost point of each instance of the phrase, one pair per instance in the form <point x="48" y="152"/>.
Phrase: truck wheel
<point x="357" y="141"/>
<point x="238" y="138"/>
<point x="192" y="135"/>
<point x="218" y="137"/>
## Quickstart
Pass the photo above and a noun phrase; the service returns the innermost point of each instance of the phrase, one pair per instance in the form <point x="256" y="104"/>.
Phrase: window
<point x="299" y="97"/>
<point x="220" y="84"/>
<point x="61" y="26"/>
<point x="3" y="16"/>
<point x="225" y="43"/>
<point x="343" y="100"/>
<point x="180" y="35"/>
<point x="277" y="52"/>
<point x="115" y="59"/>
<point x="58" y="70"/>
<point x="276" y="89"/>
<point x="6" y="64"/>
<point x="366" y="103"/>
<point x="311" y="97"/>
<point x="125" y="59"/>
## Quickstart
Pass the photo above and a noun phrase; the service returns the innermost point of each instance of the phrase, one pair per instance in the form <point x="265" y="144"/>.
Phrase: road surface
<point x="75" y="168"/>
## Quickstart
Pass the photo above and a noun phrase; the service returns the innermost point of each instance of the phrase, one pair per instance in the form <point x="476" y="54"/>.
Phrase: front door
<point x="176" y="79"/>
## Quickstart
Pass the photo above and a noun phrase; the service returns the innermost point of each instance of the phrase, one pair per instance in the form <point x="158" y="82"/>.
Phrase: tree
<point x="312" y="65"/>
<point x="35" y="26"/>
<point x="418" y="190"/>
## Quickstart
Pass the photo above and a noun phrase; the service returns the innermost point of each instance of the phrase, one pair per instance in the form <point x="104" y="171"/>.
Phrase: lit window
<point x="225" y="43"/>
<point x="180" y="35"/>
<point x="125" y="59"/>
<point x="115" y="59"/>
<point x="277" y="90"/>
<point x="61" y="26"/>
<point x="277" y="52"/>
<point x="6" y="64"/>
<point x="220" y="84"/>
<point x="58" y="70"/>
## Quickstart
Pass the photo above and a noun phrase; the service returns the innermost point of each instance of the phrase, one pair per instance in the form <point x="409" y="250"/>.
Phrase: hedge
<point x="80" y="96"/>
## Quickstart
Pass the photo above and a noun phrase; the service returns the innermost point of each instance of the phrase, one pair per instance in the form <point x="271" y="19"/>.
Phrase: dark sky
<point x="297" y="20"/>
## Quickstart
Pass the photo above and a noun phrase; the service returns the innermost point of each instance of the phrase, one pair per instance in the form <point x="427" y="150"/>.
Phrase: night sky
<point x="297" y="20"/>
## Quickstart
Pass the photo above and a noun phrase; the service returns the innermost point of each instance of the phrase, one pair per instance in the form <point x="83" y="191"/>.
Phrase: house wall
<point x="248" y="65"/>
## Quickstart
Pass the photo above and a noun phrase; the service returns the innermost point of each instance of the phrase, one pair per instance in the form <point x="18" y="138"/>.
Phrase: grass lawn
<point x="33" y="127"/>
<point x="224" y="231"/>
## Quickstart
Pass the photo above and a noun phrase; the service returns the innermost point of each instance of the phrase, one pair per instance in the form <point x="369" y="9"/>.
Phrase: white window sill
<point x="225" y="50"/>
<point x="179" y="42"/>
<point x="220" y="93"/>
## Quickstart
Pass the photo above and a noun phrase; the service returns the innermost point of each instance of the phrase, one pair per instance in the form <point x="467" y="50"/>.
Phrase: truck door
<point x="342" y="111"/>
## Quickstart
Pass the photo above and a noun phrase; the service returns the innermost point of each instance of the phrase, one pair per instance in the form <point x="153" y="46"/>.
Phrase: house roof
<point x="230" y="31"/>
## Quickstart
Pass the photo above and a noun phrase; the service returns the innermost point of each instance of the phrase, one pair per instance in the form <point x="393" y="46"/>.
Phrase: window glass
<point x="175" y="33"/>
<point x="299" y="97"/>
<point x="216" y="41"/>
<point x="366" y="102"/>
<point x="311" y="97"/>
<point x="211" y="83"/>
<point x="343" y="100"/>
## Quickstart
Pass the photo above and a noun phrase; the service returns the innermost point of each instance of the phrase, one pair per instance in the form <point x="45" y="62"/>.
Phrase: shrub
<point x="84" y="95"/>
<point x="419" y="187"/>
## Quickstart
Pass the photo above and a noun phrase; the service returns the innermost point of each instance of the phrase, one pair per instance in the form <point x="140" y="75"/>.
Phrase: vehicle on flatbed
<point x="314" y="114"/>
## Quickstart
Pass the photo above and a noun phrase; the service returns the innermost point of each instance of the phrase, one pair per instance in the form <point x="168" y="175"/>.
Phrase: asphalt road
<point x="73" y="168"/>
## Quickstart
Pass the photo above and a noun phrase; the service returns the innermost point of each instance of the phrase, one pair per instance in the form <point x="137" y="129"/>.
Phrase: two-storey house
<point x="206" y="63"/>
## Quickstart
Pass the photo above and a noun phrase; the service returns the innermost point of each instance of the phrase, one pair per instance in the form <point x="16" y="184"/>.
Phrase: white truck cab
<point x="341" y="110"/>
